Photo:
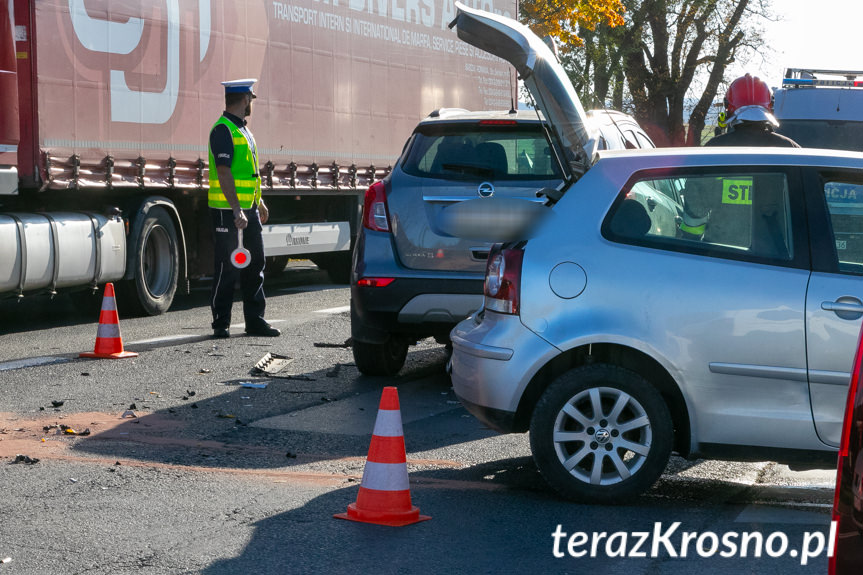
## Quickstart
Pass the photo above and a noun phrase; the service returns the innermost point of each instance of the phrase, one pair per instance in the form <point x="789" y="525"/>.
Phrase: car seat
<point x="491" y="155"/>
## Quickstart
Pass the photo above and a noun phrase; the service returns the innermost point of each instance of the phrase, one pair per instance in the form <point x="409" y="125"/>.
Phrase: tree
<point x="665" y="52"/>
<point x="562" y="18"/>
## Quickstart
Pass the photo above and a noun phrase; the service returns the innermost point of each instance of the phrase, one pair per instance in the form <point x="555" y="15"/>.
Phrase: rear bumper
<point x="493" y="362"/>
<point x="412" y="306"/>
<point x="416" y="304"/>
<point x="496" y="419"/>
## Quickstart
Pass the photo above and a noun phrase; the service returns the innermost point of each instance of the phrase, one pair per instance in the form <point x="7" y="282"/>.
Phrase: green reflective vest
<point x="244" y="168"/>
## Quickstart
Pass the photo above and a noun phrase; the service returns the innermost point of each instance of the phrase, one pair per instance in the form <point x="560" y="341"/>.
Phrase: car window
<point x="845" y="205"/>
<point x="470" y="151"/>
<point x="732" y="214"/>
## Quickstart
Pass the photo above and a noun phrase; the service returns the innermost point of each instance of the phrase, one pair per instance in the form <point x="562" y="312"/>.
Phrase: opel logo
<point x="485" y="190"/>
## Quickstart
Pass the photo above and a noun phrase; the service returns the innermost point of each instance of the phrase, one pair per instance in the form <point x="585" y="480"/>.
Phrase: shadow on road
<point x="295" y="420"/>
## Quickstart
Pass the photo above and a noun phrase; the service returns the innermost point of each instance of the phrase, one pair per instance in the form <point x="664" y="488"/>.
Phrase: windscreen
<point x="470" y="151"/>
<point x="831" y="134"/>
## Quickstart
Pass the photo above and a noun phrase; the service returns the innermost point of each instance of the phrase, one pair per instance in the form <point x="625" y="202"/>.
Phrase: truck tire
<point x="156" y="266"/>
<point x="276" y="265"/>
<point x="601" y="434"/>
<point x="337" y="265"/>
<point x="385" y="358"/>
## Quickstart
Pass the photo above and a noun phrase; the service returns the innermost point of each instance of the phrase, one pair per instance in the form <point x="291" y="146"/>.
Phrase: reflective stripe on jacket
<point x="244" y="168"/>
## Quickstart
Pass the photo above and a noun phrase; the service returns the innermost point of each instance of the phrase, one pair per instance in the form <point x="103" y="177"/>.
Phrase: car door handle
<point x="651" y="204"/>
<point x="842" y="306"/>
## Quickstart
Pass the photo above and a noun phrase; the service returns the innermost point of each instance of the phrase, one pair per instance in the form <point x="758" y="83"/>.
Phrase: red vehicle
<point x="847" y="558"/>
<point x="105" y="108"/>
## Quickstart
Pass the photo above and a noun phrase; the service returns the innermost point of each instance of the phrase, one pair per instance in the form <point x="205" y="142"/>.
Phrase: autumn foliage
<point x="562" y="18"/>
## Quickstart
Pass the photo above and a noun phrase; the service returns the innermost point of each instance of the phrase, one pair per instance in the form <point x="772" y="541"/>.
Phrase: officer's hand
<point x="264" y="212"/>
<point x="240" y="220"/>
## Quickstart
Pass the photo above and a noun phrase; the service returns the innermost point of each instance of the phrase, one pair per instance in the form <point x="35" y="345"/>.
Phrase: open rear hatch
<point x="542" y="74"/>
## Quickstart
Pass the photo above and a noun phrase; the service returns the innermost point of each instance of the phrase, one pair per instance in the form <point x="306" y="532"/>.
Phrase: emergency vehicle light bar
<point x="817" y="82"/>
<point x="800" y="77"/>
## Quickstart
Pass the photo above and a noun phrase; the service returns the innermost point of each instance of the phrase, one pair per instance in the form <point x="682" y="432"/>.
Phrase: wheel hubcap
<point x="602" y="436"/>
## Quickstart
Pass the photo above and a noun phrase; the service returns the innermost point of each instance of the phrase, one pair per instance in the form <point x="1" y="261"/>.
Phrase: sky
<point x="822" y="34"/>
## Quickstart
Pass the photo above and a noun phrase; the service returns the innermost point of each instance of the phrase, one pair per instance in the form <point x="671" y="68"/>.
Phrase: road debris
<point x="205" y="370"/>
<point x="271" y="363"/>
<point x="57" y="403"/>
<point x="291" y="455"/>
<point x="252" y="385"/>
<point x="347" y="343"/>
<point x="133" y="406"/>
<point x="128" y="413"/>
<point x="25" y="459"/>
<point x="227" y="416"/>
<point x="65" y="430"/>
<point x="6" y="560"/>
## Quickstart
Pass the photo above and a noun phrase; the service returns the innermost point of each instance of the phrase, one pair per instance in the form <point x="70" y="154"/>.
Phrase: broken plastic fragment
<point x="251" y="385"/>
<point x="25" y="459"/>
<point x="128" y="413"/>
<point x="272" y="363"/>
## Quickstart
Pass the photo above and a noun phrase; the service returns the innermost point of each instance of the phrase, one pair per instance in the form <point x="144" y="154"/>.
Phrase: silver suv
<point x="619" y="333"/>
<point x="410" y="279"/>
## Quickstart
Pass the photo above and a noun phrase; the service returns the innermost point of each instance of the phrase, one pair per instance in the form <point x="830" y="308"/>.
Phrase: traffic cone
<point x="385" y="496"/>
<point x="109" y="343"/>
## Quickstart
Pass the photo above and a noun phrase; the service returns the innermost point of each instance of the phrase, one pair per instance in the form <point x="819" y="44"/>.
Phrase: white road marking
<point x="164" y="339"/>
<point x="334" y="310"/>
<point x="32" y="362"/>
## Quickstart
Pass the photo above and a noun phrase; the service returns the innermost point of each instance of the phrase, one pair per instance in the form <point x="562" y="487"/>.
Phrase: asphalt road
<point x="213" y="477"/>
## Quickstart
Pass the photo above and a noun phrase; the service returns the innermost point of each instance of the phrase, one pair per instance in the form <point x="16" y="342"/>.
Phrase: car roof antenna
<point x="629" y="145"/>
<point x="512" y="108"/>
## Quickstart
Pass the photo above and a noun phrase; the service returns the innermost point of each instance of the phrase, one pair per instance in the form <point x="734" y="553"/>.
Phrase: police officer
<point x="236" y="204"/>
<point x="750" y="122"/>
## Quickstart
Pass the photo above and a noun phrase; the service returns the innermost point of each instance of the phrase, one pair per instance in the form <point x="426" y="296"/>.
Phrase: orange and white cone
<point x="109" y="342"/>
<point x="385" y="496"/>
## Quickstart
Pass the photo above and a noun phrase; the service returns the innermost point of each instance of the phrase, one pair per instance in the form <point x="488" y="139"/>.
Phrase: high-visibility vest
<point x="244" y="168"/>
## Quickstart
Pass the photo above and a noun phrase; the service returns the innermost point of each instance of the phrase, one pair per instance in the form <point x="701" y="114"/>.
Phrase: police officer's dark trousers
<point x="225" y="274"/>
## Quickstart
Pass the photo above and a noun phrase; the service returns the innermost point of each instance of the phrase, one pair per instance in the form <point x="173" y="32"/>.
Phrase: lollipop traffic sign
<point x="240" y="257"/>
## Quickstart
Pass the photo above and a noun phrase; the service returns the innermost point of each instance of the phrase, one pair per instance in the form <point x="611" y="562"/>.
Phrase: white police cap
<point x="240" y="86"/>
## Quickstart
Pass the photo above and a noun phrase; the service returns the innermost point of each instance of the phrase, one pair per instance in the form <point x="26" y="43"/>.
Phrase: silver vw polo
<point x="699" y="301"/>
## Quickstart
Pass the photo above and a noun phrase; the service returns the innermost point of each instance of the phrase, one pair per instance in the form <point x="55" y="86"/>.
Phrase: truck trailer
<point x="106" y="108"/>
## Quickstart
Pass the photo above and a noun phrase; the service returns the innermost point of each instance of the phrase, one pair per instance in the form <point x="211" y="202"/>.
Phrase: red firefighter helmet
<point x="747" y="91"/>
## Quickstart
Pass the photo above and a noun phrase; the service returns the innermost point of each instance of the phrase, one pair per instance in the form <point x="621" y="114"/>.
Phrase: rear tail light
<point x="375" y="282"/>
<point x="844" y="479"/>
<point x="503" y="280"/>
<point x="376" y="215"/>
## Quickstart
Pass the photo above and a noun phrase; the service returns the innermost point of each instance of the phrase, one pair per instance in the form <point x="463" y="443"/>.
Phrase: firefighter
<point x="727" y="201"/>
<point x="236" y="204"/>
<point x="749" y="116"/>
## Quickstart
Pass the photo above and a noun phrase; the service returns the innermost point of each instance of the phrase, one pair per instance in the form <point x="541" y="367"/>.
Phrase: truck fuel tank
<point x="55" y="250"/>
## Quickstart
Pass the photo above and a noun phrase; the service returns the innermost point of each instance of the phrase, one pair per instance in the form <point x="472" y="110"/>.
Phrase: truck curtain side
<point x="116" y="99"/>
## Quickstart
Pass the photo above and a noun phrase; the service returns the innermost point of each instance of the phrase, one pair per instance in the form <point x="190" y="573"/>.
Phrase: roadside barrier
<point x="109" y="342"/>
<point x="385" y="496"/>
